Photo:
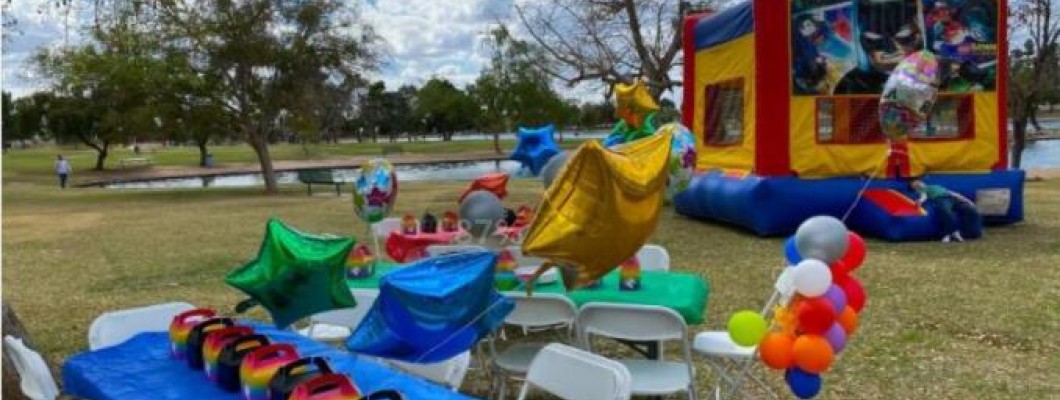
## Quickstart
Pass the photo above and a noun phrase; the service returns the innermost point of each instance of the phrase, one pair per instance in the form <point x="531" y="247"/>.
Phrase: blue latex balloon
<point x="803" y="385"/>
<point x="791" y="252"/>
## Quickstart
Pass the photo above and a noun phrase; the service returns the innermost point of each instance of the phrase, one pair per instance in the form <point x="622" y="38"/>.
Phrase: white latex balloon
<point x="822" y="237"/>
<point x="812" y="278"/>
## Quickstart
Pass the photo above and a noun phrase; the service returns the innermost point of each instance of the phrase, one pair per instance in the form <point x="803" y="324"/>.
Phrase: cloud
<point x="423" y="39"/>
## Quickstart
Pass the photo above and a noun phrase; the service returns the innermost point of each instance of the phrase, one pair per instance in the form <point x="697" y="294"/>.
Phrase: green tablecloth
<point x="682" y="292"/>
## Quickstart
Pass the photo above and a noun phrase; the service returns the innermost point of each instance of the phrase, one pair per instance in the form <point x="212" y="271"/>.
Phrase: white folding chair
<point x="523" y="260"/>
<point x="653" y="257"/>
<point x="450" y="372"/>
<point x="540" y="312"/>
<point x="443" y="249"/>
<point x="642" y="323"/>
<point x="114" y="327"/>
<point x="731" y="361"/>
<point x="574" y="374"/>
<point x="337" y="325"/>
<point x="35" y="378"/>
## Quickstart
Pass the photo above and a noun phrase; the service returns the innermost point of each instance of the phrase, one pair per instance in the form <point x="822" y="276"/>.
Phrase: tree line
<point x="264" y="71"/>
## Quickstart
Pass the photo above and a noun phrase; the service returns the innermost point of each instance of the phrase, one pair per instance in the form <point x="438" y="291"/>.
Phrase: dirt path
<point x="165" y="172"/>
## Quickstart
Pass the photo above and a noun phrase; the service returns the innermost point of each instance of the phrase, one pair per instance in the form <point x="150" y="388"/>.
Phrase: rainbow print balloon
<point x="260" y="365"/>
<point x="375" y="190"/>
<point x="215" y="341"/>
<point x="181" y="326"/>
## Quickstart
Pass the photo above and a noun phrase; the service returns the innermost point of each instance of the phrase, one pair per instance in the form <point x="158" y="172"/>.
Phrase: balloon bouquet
<point x="819" y="313"/>
<point x="375" y="193"/>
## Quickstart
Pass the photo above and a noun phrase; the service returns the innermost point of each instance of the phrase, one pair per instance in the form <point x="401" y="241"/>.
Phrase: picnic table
<point x="682" y="292"/>
<point x="141" y="368"/>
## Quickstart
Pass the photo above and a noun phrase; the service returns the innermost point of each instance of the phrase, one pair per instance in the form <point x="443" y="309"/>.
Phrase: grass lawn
<point x="972" y="320"/>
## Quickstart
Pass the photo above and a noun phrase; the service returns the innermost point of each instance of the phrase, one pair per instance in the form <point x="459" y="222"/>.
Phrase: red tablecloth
<point x="404" y="248"/>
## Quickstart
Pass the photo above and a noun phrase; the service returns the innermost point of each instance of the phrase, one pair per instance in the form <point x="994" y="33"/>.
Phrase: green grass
<point x="972" y="320"/>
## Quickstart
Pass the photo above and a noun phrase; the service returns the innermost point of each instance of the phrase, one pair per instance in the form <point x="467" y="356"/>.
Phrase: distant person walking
<point x="62" y="168"/>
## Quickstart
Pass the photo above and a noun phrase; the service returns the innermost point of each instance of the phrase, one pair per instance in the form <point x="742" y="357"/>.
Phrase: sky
<point x="423" y="39"/>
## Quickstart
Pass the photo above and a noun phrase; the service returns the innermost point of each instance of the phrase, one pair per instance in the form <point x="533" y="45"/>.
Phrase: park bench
<point x="135" y="162"/>
<point x="320" y="177"/>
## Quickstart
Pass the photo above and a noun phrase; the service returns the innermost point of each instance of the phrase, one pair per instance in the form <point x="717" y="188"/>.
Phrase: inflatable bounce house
<point x="783" y="98"/>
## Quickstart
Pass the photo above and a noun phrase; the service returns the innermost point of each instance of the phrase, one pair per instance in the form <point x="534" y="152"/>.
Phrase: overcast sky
<point x="423" y="38"/>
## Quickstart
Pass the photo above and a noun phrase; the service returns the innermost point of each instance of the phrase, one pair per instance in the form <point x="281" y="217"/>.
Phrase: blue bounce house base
<point x="774" y="206"/>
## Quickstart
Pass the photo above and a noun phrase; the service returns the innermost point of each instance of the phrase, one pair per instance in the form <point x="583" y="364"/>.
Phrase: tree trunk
<point x="12" y="326"/>
<point x="1019" y="140"/>
<point x="101" y="155"/>
<point x="261" y="148"/>
<point x="203" y="151"/>
<point x="497" y="142"/>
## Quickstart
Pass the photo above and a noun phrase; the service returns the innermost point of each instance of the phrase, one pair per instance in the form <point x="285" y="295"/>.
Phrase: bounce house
<point x="783" y="98"/>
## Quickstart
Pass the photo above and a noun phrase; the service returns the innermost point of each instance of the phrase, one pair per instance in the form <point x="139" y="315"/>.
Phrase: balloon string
<point x="864" y="188"/>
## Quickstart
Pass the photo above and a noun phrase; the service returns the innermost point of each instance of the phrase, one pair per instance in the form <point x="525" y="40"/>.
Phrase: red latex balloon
<point x="855" y="252"/>
<point x="839" y="270"/>
<point x="816" y="315"/>
<point x="854" y="291"/>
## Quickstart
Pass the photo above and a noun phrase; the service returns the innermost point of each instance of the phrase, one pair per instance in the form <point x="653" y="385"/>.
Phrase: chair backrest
<point x="632" y="322"/>
<point x="348" y="317"/>
<point x="113" y="328"/>
<point x="541" y="310"/>
<point x="450" y="372"/>
<point x="653" y="257"/>
<point x="35" y="378"/>
<point x="440" y="250"/>
<point x="383" y="228"/>
<point x="574" y="374"/>
<point x="523" y="260"/>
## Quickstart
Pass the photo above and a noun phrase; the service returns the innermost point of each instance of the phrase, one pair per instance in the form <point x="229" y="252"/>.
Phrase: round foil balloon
<point x="909" y="95"/>
<point x="375" y="190"/>
<point x="682" y="162"/>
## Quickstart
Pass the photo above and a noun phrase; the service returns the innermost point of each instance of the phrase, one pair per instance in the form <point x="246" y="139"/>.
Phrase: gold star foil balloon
<point x="600" y="210"/>
<point x="634" y="103"/>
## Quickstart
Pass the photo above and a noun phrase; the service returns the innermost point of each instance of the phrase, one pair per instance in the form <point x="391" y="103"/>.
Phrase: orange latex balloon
<point x="848" y="319"/>
<point x="812" y="353"/>
<point x="777" y="350"/>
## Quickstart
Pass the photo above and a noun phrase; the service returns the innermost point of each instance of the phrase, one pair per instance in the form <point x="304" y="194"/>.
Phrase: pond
<point x="458" y="171"/>
<point x="1038" y="154"/>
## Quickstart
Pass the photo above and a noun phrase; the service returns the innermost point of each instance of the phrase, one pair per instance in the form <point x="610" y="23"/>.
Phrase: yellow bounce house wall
<point x="812" y="159"/>
<point x="734" y="60"/>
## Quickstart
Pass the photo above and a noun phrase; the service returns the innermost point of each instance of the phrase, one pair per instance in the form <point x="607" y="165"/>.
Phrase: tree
<point x="514" y="88"/>
<point x="267" y="61"/>
<point x="609" y="41"/>
<point x="108" y="84"/>
<point x="1033" y="69"/>
<point x="444" y="109"/>
<point x="27" y="118"/>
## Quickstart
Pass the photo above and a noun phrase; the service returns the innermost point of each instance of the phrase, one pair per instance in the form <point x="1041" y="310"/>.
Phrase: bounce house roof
<point x="726" y="25"/>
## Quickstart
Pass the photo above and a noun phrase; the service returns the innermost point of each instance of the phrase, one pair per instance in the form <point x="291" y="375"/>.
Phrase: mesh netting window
<point x="848" y="120"/>
<point x="952" y="118"/>
<point x="723" y="119"/>
<point x="856" y="120"/>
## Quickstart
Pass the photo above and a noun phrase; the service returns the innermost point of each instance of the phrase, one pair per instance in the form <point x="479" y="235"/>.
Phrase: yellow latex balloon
<point x="634" y="103"/>
<point x="601" y="209"/>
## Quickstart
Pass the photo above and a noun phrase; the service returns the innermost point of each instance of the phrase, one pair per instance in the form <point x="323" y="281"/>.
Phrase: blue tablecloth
<point x="141" y="368"/>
